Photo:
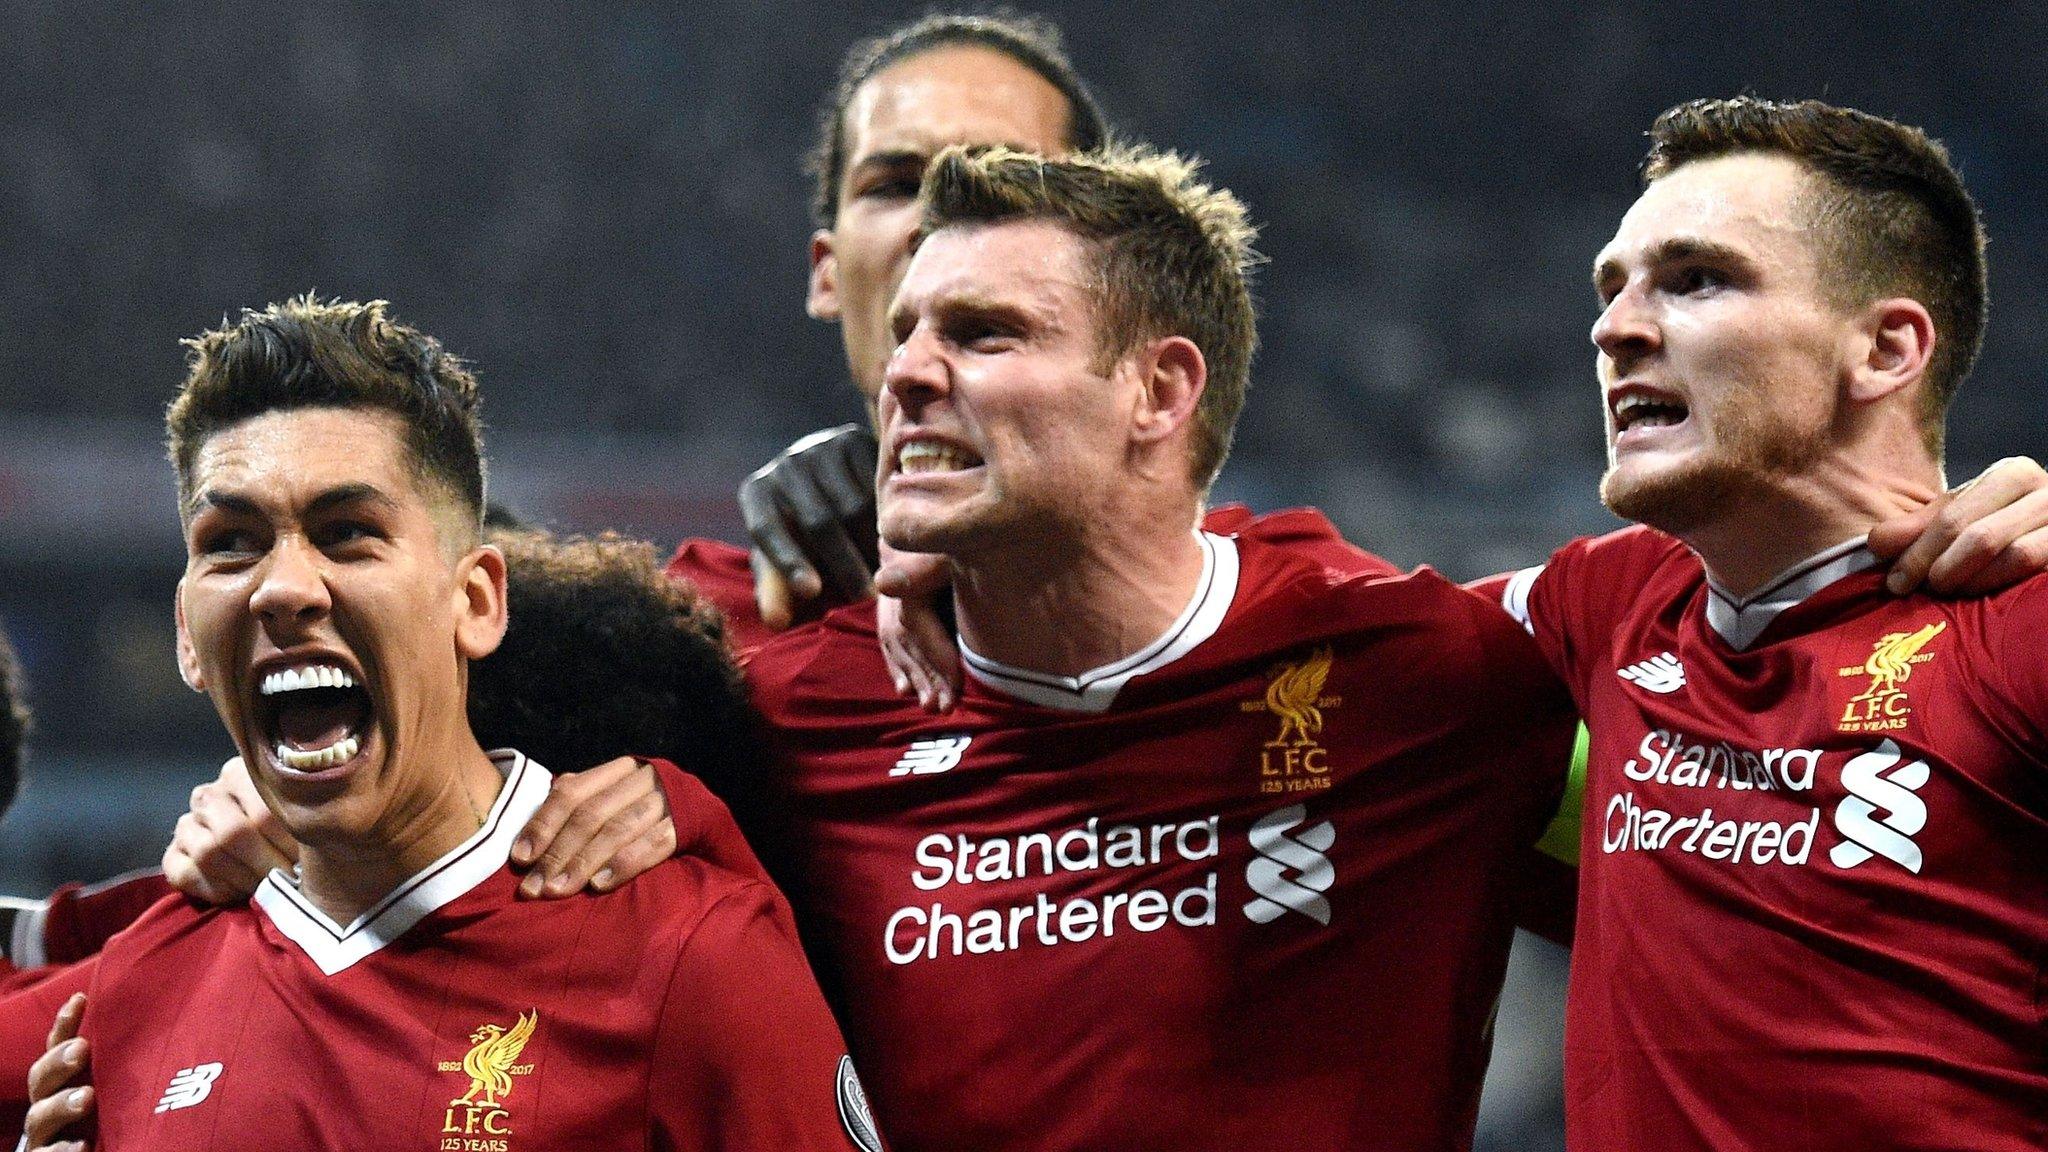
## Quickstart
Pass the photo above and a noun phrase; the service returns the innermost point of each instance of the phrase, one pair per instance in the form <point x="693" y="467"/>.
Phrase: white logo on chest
<point x="1876" y="785"/>
<point x="931" y="757"/>
<point x="1279" y="854"/>
<point x="189" y="1087"/>
<point x="1662" y="674"/>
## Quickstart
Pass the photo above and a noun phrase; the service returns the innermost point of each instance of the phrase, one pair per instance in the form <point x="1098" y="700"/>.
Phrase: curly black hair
<point x="605" y="656"/>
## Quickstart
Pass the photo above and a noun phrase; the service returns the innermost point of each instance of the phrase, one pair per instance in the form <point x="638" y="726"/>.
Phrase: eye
<point x="896" y="188"/>
<point x="226" y="542"/>
<point x="1696" y="278"/>
<point x="342" y="533"/>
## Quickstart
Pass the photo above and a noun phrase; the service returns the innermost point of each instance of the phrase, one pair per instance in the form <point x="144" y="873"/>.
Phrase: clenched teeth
<point x="920" y="456"/>
<point x="335" y="754"/>
<point x="316" y="676"/>
<point x="1646" y="412"/>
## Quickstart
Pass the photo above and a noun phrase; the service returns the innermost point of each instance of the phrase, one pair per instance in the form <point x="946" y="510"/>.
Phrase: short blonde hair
<point x="1173" y="255"/>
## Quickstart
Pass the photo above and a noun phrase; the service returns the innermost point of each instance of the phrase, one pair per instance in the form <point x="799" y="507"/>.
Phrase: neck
<point x="1090" y="600"/>
<point x="346" y="876"/>
<point x="1762" y="533"/>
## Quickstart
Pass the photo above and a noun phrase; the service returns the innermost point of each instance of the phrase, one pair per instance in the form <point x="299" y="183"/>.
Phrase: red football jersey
<point x="1246" y="888"/>
<point x="723" y="574"/>
<point x="1814" y="871"/>
<point x="71" y="924"/>
<point x="677" y="1012"/>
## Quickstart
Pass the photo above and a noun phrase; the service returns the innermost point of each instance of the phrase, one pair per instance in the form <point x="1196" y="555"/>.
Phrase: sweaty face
<point x="1720" y="354"/>
<point x="323" y="616"/>
<point x="895" y="124"/>
<point x="1000" y="425"/>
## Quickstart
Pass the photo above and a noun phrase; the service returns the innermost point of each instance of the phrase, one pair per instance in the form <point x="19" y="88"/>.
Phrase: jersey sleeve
<point x="2018" y="663"/>
<point x="26" y="1013"/>
<point x="748" y="1056"/>
<point x="78" y="918"/>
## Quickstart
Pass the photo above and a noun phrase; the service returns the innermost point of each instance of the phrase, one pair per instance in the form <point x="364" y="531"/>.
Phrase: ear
<point x="1173" y="374"/>
<point x="480" y="601"/>
<point x="1896" y="341"/>
<point x="823" y="301"/>
<point x="188" y="652"/>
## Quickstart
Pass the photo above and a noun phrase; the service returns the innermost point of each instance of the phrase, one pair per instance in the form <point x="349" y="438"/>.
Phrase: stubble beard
<point x="1756" y="451"/>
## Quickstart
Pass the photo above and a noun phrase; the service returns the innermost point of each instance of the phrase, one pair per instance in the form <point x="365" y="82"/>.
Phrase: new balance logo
<point x="930" y="757"/>
<point x="1280" y="854"/>
<point x="1662" y="674"/>
<point x="189" y="1087"/>
<point x="1877" y="783"/>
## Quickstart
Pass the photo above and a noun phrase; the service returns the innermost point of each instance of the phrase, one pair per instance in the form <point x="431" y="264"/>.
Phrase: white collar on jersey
<point x="1741" y="621"/>
<point x="334" y="948"/>
<point x="1095" y="690"/>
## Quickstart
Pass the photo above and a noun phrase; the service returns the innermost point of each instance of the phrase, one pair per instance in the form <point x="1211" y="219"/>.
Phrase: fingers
<point x="810" y="512"/>
<point x="762" y="510"/>
<point x="919" y="651"/>
<point x="771" y="593"/>
<point x="2024" y="557"/>
<point x="55" y="1102"/>
<point x="613" y="824"/>
<point x="228" y="842"/>
<point x="812" y="490"/>
<point x="912" y="575"/>
<point x="65" y="1026"/>
<point x="47" y="1119"/>
<point x="1956" y="539"/>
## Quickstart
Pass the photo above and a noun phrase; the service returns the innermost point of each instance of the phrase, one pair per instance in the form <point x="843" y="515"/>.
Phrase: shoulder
<point x="827" y="665"/>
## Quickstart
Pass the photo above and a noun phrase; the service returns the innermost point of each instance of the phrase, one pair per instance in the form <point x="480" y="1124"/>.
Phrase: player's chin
<point x="1673" y="495"/>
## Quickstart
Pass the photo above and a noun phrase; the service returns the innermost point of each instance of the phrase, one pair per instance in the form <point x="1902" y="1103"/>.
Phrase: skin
<point x="895" y="123"/>
<point x="309" y="538"/>
<point x="1801" y="427"/>
<point x="1068" y="522"/>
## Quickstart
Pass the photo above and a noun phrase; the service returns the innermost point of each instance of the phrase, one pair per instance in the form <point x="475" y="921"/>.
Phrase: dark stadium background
<point x="601" y="206"/>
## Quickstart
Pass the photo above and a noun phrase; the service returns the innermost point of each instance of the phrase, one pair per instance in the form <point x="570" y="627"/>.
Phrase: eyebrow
<point x="975" y="304"/>
<point x="1676" y="248"/>
<point x="333" y="497"/>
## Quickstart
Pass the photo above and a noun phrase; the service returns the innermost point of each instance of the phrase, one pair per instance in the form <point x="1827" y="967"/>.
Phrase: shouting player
<point x="390" y="991"/>
<point x="1813" y="912"/>
<point x="1216" y="829"/>
<point x="946" y="78"/>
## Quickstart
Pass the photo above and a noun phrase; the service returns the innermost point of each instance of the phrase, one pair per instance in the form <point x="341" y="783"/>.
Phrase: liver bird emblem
<point x="489" y="1063"/>
<point x="1293" y="697"/>
<point x="1892" y="661"/>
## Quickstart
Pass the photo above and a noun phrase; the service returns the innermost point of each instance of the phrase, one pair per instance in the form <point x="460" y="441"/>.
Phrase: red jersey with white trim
<point x="1247" y="888"/>
<point x="675" y="1013"/>
<point x="71" y="924"/>
<point x="1814" y="872"/>
<point x="723" y="574"/>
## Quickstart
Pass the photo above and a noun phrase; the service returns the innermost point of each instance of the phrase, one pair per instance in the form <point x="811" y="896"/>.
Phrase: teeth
<point x="921" y="456"/>
<point x="338" y="753"/>
<point x="315" y="676"/>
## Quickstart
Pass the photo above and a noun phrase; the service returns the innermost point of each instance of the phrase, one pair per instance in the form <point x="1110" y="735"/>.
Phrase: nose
<point x="1626" y="328"/>
<point x="293" y="589"/>
<point x="917" y="372"/>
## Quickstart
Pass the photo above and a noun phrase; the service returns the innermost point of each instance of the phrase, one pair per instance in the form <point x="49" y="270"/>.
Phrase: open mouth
<point x="1638" y="410"/>
<point x="926" y="457"/>
<point x="314" y="716"/>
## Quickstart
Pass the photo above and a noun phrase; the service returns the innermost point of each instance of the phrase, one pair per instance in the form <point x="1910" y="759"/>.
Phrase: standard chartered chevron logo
<point x="1877" y="783"/>
<point x="1291" y="873"/>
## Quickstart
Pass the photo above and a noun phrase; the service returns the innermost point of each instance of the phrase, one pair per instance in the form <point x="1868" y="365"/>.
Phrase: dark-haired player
<point x="1813" y="911"/>
<point x="390" y="990"/>
<point x="901" y="96"/>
